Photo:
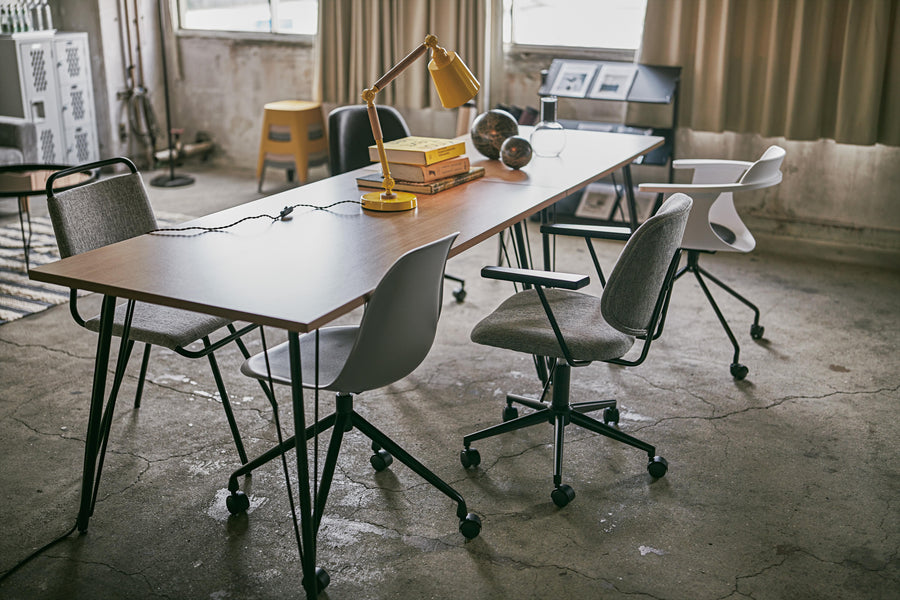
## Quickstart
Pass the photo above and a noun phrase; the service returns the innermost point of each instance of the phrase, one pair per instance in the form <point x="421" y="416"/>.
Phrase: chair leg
<point x="142" y="377"/>
<point x="738" y="371"/>
<point x="226" y="404"/>
<point x="560" y="413"/>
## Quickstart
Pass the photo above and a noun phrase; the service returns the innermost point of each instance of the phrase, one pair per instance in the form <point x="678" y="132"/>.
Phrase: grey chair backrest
<point x="100" y="213"/>
<point x="400" y="320"/>
<point x="633" y="288"/>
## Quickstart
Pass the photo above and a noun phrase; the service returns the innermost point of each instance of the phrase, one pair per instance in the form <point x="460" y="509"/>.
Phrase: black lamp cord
<point x="284" y="215"/>
<point x="36" y="553"/>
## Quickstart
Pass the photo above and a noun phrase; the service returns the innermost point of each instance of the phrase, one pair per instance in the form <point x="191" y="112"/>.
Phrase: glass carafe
<point x="549" y="137"/>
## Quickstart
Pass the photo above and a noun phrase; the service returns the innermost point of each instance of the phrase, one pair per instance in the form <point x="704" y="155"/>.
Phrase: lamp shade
<point x="453" y="81"/>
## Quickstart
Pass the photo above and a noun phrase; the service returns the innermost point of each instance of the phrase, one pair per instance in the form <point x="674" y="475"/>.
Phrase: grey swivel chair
<point x="115" y="209"/>
<point x="566" y="328"/>
<point x="357" y="358"/>
<point x="349" y="138"/>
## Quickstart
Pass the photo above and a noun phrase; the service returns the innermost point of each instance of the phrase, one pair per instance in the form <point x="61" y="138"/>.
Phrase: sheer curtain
<point x="362" y="39"/>
<point x="799" y="69"/>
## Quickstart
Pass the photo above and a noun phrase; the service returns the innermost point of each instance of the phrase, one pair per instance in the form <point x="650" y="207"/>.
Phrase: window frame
<point x="515" y="49"/>
<point x="304" y="39"/>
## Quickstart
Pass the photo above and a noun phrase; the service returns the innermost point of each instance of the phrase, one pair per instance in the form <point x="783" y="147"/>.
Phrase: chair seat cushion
<point x="520" y="324"/>
<point x="163" y="326"/>
<point x="335" y="344"/>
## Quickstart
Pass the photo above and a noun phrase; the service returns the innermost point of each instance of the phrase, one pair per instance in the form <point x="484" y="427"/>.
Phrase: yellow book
<point x="414" y="150"/>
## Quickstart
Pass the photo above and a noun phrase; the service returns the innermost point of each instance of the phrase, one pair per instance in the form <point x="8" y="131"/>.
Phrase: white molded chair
<point x="394" y="336"/>
<point x="714" y="224"/>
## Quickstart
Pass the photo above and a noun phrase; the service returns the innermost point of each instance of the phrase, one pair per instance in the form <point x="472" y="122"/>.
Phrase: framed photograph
<point x="604" y="202"/>
<point x="573" y="79"/>
<point x="613" y="82"/>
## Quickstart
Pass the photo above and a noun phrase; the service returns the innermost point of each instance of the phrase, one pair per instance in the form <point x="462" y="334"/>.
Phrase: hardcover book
<point x="414" y="150"/>
<point x="374" y="181"/>
<point x="432" y="172"/>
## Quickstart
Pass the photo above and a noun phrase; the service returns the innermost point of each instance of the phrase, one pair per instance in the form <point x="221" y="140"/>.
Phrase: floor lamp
<point x="170" y="180"/>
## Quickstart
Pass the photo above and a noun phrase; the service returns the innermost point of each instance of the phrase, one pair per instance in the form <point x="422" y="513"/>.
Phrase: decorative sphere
<point x="515" y="152"/>
<point x="490" y="129"/>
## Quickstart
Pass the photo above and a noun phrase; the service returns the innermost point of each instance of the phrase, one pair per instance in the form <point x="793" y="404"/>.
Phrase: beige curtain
<point x="799" y="69"/>
<point x="360" y="40"/>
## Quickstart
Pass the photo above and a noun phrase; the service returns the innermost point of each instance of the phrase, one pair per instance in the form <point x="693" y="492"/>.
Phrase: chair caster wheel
<point x="611" y="415"/>
<point x="562" y="495"/>
<point x="381" y="460"/>
<point x="237" y="503"/>
<point x="756" y="331"/>
<point x="739" y="371"/>
<point x="510" y="413"/>
<point x="460" y="295"/>
<point x="470" y="458"/>
<point x="470" y="527"/>
<point x="657" y="467"/>
<point x="322" y="579"/>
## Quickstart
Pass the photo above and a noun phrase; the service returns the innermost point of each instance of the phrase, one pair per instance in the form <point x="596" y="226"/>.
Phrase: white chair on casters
<point x="395" y="334"/>
<point x="714" y="224"/>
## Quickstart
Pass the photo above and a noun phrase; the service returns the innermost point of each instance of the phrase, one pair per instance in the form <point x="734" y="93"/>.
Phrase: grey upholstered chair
<point x="18" y="141"/>
<point x="111" y="210"/>
<point x="354" y="359"/>
<point x="564" y="328"/>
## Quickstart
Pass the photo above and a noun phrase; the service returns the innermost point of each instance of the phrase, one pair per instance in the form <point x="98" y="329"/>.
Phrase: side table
<point x="25" y="180"/>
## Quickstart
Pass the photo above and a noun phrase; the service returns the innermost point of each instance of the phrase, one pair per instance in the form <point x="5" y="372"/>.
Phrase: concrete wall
<point x="837" y="201"/>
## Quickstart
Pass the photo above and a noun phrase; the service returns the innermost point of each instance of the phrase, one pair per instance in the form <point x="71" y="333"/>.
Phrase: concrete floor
<point x="783" y="485"/>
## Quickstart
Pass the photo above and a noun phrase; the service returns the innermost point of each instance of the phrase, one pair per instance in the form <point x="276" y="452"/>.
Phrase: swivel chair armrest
<point x="606" y="232"/>
<point x="701" y="188"/>
<point x="569" y="281"/>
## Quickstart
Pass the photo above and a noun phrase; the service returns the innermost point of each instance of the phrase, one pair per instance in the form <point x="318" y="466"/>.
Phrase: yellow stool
<point x="293" y="138"/>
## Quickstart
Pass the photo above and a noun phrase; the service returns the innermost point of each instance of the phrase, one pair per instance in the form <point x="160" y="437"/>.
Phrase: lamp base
<point x="400" y="201"/>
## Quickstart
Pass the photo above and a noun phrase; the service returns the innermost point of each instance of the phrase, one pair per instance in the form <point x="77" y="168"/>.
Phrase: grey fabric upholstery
<point x="630" y="294"/>
<point x="520" y="324"/>
<point x="162" y="326"/>
<point x="101" y="213"/>
<point x="18" y="141"/>
<point x="109" y="211"/>
<point x="595" y="328"/>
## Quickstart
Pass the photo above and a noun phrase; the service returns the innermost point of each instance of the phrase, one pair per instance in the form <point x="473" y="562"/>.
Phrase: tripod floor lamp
<point x="455" y="86"/>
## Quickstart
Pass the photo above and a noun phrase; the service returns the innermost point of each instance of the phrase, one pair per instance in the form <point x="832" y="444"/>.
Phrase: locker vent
<point x="77" y="97"/>
<point x="48" y="146"/>
<point x="73" y="62"/>
<point x="38" y="70"/>
<point x="82" y="149"/>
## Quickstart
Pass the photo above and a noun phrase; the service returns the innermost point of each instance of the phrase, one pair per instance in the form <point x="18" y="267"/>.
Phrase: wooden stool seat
<point x="293" y="138"/>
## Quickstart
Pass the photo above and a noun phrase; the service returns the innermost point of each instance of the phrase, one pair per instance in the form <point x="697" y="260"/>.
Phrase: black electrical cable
<point x="284" y="215"/>
<point x="36" y="553"/>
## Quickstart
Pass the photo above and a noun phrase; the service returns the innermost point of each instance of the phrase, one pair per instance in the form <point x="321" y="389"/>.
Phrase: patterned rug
<point x="21" y="296"/>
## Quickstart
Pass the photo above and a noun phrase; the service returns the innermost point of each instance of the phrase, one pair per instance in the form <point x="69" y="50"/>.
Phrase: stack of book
<point x="423" y="165"/>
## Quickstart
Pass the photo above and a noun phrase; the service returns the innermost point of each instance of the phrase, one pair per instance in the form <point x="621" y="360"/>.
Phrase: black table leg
<point x="307" y="530"/>
<point x="25" y="211"/>
<point x="98" y="391"/>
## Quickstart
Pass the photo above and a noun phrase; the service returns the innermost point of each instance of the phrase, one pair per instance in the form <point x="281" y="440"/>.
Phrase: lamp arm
<point x="368" y="95"/>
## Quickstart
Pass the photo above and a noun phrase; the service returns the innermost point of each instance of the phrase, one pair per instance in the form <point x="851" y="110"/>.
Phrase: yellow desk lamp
<point x="455" y="86"/>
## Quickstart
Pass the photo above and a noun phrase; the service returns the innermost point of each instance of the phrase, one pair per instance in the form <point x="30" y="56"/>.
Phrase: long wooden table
<point x="300" y="274"/>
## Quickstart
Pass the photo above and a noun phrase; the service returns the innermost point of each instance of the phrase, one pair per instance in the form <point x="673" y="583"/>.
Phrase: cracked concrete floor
<point x="780" y="486"/>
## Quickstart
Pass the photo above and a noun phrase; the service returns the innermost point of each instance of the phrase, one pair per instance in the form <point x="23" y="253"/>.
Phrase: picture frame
<point x="573" y="79"/>
<point x="614" y="82"/>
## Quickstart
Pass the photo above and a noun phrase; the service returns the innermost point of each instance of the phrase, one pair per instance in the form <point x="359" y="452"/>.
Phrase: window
<point x="268" y="16"/>
<point x="608" y="24"/>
